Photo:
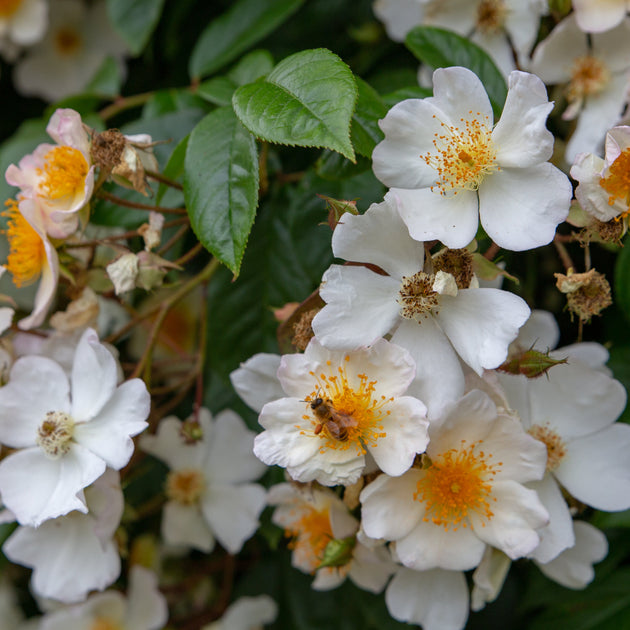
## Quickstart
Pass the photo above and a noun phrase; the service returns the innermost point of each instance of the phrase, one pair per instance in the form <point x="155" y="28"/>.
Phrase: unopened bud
<point x="338" y="552"/>
<point x="337" y="208"/>
<point x="531" y="363"/>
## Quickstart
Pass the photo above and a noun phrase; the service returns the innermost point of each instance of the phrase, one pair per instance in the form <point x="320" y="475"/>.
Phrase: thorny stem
<point x="262" y="169"/>
<point x="167" y="181"/>
<point x="201" y="357"/>
<point x="189" y="254"/>
<point x="492" y="251"/>
<point x="139" y="206"/>
<point x="587" y="257"/>
<point x="171" y="241"/>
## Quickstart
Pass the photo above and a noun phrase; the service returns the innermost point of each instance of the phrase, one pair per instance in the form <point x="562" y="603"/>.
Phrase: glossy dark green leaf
<point x="135" y="20"/>
<point x="622" y="280"/>
<point x="221" y="185"/>
<point x="307" y="100"/>
<point x="440" y="48"/>
<point x="174" y="170"/>
<point x="239" y="28"/>
<point x="366" y="133"/>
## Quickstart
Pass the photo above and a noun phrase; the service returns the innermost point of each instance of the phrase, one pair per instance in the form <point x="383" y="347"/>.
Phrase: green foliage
<point x="440" y="48"/>
<point x="246" y="23"/>
<point x="135" y="20"/>
<point x="289" y="106"/>
<point x="221" y="185"/>
<point x="107" y="80"/>
<point x="622" y="281"/>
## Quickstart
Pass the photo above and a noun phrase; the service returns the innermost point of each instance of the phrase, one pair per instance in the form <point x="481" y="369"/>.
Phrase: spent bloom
<point x="468" y="493"/>
<point x="209" y="489"/>
<point x="604" y="184"/>
<point x="432" y="307"/>
<point x="450" y="167"/>
<point x="340" y="406"/>
<point x="56" y="181"/>
<point x="594" y="70"/>
<point x="66" y="431"/>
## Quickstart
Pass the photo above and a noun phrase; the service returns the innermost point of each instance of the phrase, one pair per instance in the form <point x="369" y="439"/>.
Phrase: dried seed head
<point x="587" y="293"/>
<point x="457" y="262"/>
<point x="303" y="330"/>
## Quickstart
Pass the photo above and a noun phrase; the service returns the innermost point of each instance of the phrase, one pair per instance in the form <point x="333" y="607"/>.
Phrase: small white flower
<point x="595" y="75"/>
<point x="208" y="486"/>
<point x="434" y="599"/>
<point x="604" y="189"/>
<point x="23" y="22"/>
<point x="341" y="406"/>
<point x="594" y="16"/>
<point x="436" y="320"/>
<point x="313" y="518"/>
<point x="74" y="554"/>
<point x="468" y="494"/>
<point x="247" y="613"/>
<point x="497" y="26"/>
<point x="56" y="181"/>
<point x="144" y="608"/>
<point x="449" y="167"/>
<point x="78" y="40"/>
<point x="66" y="431"/>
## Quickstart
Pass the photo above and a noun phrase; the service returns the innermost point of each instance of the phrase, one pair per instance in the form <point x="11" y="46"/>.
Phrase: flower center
<point x="310" y="535"/>
<point x="464" y="154"/>
<point x="26" y="248"/>
<point x="67" y="41"/>
<point x="588" y="76"/>
<point x="101" y="623"/>
<point x="185" y="486"/>
<point x="9" y="7"/>
<point x="54" y="434"/>
<point x="457" y="483"/>
<point x="64" y="173"/>
<point x="458" y="263"/>
<point x="617" y="181"/>
<point x="491" y="15"/>
<point x="346" y="414"/>
<point x="556" y="448"/>
<point x="417" y="296"/>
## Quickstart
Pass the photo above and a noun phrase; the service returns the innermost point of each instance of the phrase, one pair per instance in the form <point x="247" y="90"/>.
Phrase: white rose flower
<point x="435" y="316"/>
<point x="23" y="22"/>
<point x="468" y="494"/>
<point x="208" y="489"/>
<point x="341" y="406"/>
<point x="595" y="75"/>
<point x="66" y="431"/>
<point x="450" y="167"/>
<point x="82" y="544"/>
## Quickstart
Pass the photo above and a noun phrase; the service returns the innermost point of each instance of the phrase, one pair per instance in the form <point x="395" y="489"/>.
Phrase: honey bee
<point x="336" y="423"/>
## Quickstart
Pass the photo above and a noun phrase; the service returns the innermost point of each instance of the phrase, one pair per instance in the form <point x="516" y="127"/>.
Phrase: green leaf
<point x="135" y="20"/>
<point x="307" y="100"/>
<point x="440" y="48"/>
<point x="107" y="80"/>
<point x="366" y="133"/>
<point x="252" y="66"/>
<point x="221" y="185"/>
<point x="174" y="169"/>
<point x="246" y="23"/>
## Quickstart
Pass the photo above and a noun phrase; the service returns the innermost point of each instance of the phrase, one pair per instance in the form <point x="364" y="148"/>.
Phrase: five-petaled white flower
<point x="341" y="406"/>
<point x="450" y="168"/>
<point x="65" y="432"/>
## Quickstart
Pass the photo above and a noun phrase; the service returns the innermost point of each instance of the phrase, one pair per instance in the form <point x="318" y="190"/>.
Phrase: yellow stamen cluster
<point x="457" y="483"/>
<point x="617" y="181"/>
<point x="9" y="7"/>
<point x="27" y="254"/>
<point x="416" y="296"/>
<point x="464" y="155"/>
<point x="556" y="448"/>
<point x="64" y="173"/>
<point x="589" y="76"/>
<point x="310" y="534"/>
<point x="185" y="486"/>
<point x="351" y="397"/>
<point x="67" y="41"/>
<point x="102" y="623"/>
<point x="491" y="16"/>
